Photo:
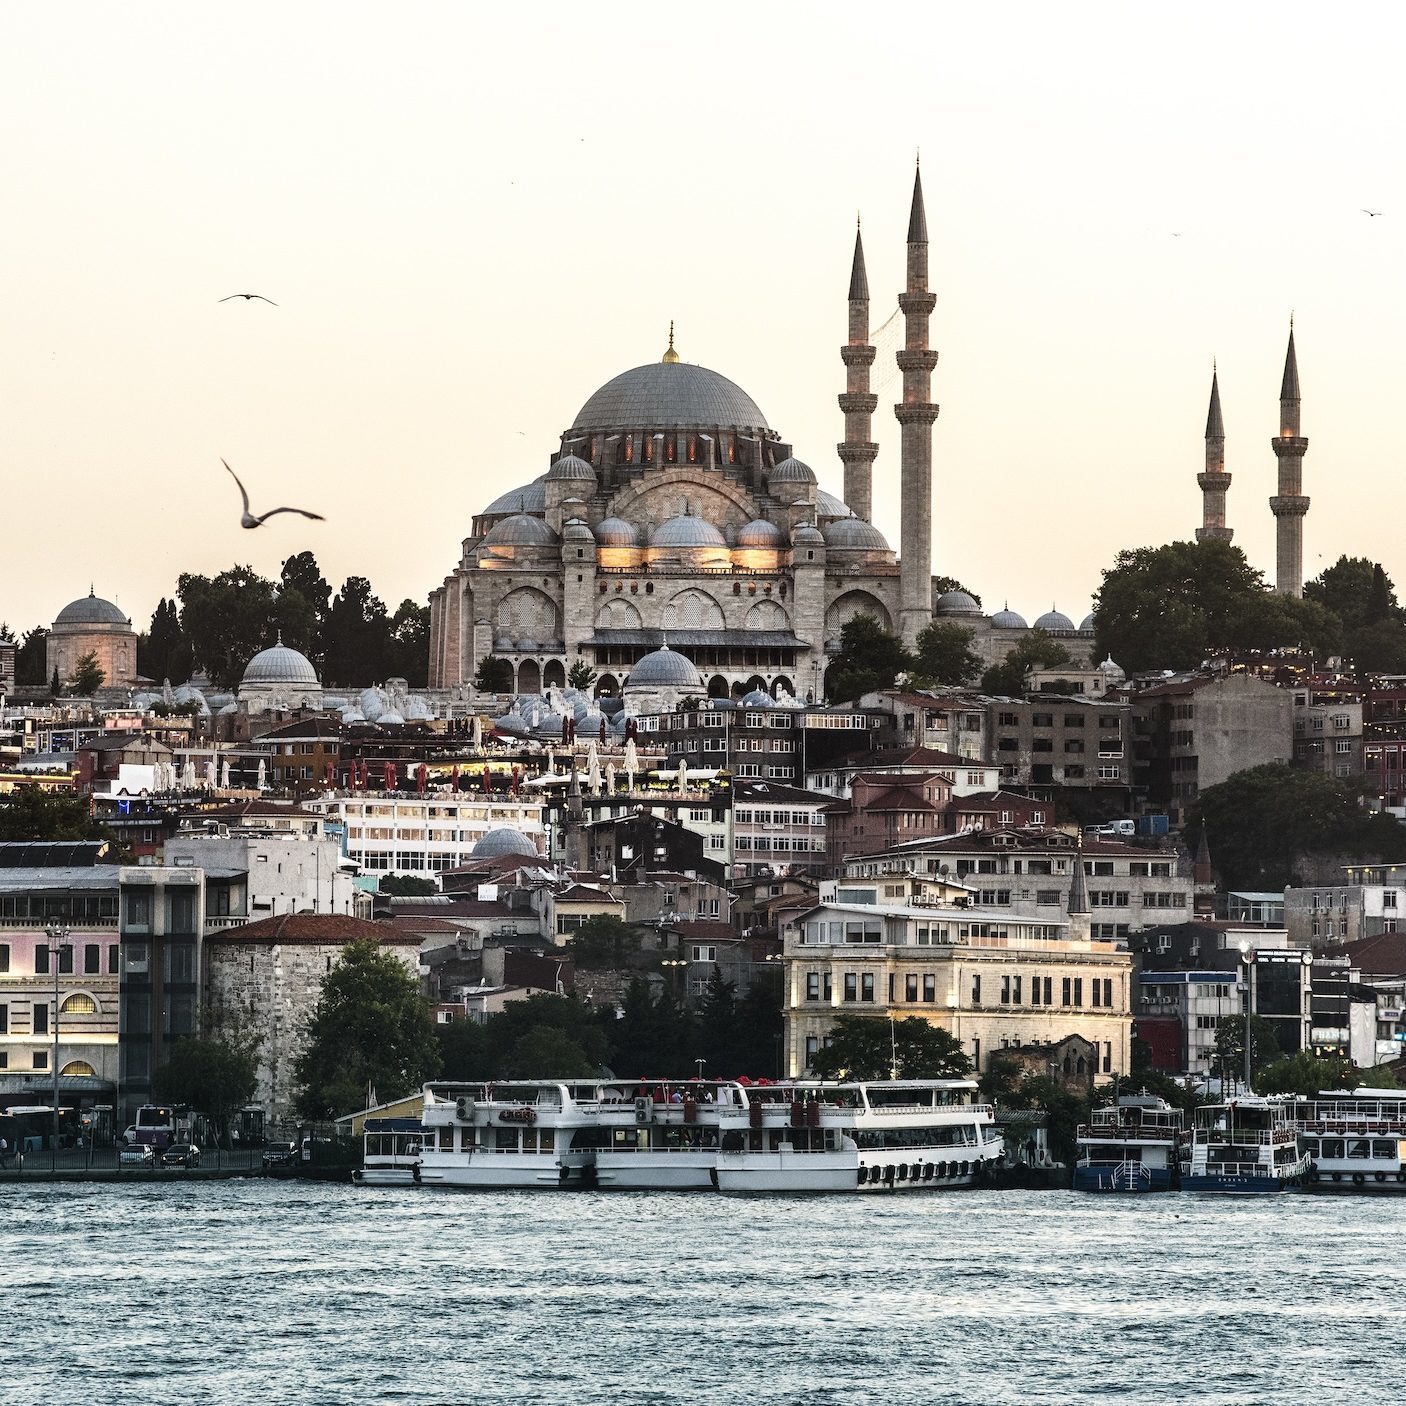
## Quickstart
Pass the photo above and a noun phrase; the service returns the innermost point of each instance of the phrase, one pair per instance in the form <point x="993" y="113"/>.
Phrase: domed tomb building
<point x="92" y="625"/>
<point x="279" y="679"/>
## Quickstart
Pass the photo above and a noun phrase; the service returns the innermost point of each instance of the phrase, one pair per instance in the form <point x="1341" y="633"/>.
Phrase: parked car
<point x="129" y="1136"/>
<point x="136" y="1155"/>
<point x="181" y="1154"/>
<point x="280" y="1156"/>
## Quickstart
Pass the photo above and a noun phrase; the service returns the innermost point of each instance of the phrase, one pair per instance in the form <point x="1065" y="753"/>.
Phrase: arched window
<point x="80" y="1003"/>
<point x="78" y="1069"/>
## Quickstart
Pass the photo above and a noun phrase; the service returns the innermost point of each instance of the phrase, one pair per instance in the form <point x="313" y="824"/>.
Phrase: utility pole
<point x="58" y="938"/>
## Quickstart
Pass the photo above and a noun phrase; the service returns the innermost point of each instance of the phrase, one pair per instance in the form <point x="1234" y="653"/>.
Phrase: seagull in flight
<point x="247" y="296"/>
<point x="1372" y="213"/>
<point x="247" y="519"/>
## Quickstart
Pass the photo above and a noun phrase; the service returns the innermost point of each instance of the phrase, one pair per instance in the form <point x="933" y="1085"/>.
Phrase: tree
<point x="494" y="675"/>
<point x="29" y="813"/>
<point x="944" y="656"/>
<point x="581" y="674"/>
<point x="868" y="1047"/>
<point x="1230" y="1046"/>
<point x="227" y="619"/>
<point x="161" y="642"/>
<point x="869" y="659"/>
<point x="1307" y="1073"/>
<point x="216" y="1076"/>
<point x="547" y="1052"/>
<point x="406" y="886"/>
<point x="296" y="622"/>
<point x="1260" y="821"/>
<point x="653" y="1037"/>
<point x="31" y="658"/>
<point x="370" y="1027"/>
<point x="463" y="1050"/>
<point x="602" y="943"/>
<point x="1038" y="650"/>
<point x="509" y="1050"/>
<point x="941" y="585"/>
<point x="357" y="635"/>
<point x="1356" y="590"/>
<point x="301" y="573"/>
<point x="410" y="643"/>
<point x="88" y="675"/>
<point x="1170" y="607"/>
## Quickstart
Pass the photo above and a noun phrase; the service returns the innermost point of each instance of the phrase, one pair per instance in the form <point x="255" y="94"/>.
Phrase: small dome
<point x="616" y="532"/>
<point x="758" y="698"/>
<point x="520" y="530"/>
<point x="1053" y="620"/>
<point x="827" y="505"/>
<point x="390" y="716"/>
<point x="854" y="535"/>
<point x="279" y="665"/>
<point x="575" y="530"/>
<point x="1007" y="619"/>
<point x="665" y="667"/>
<point x="807" y="535"/>
<point x="760" y="533"/>
<point x="1110" y="669"/>
<point x="92" y="610"/>
<point x="530" y="498"/>
<point x="686" y="531"/>
<point x="956" y="603"/>
<point x="1086" y="625"/>
<point x="504" y="840"/>
<point x="792" y="471"/>
<point x="570" y="469"/>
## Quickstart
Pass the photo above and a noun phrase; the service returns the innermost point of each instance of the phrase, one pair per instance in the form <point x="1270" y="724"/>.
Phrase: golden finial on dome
<point x="670" y="357"/>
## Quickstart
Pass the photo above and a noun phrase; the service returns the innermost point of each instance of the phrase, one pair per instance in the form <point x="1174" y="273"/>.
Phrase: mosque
<point x="676" y="534"/>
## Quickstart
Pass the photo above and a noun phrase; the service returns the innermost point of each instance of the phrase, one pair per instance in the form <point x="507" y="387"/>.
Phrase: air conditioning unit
<point x="644" y="1106"/>
<point x="464" y="1109"/>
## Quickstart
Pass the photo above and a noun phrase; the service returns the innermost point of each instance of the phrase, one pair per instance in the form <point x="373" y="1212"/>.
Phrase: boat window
<point x="1310" y="1146"/>
<point x="505" y="1139"/>
<point x="446" y="1139"/>
<point x="1384" y="1148"/>
<point x="1359" y="1147"/>
<point x="1332" y="1147"/>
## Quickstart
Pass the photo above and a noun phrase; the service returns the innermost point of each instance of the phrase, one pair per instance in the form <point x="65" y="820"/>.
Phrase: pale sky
<point x="471" y="216"/>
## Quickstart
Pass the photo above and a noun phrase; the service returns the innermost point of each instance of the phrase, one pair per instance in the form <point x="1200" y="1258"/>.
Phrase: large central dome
<point x="670" y="395"/>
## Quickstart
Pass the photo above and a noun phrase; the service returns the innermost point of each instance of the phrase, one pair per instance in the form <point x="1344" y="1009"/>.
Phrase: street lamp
<point x="1248" y="954"/>
<point x="673" y="964"/>
<point x="58" y="945"/>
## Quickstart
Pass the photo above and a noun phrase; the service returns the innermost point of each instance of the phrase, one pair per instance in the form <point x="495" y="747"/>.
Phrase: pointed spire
<point x="1289" y="387"/>
<point x="917" y="216"/>
<point x="670" y="356"/>
<point x="858" y="279"/>
<point x="1203" y="851"/>
<point x="1078" y="894"/>
<point x="1215" y="426"/>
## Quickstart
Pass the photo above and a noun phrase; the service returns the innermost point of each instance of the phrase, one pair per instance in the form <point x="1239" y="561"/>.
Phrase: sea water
<point x="273" y="1291"/>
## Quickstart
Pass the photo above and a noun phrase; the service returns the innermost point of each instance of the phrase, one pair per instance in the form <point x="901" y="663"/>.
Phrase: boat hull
<point x="1216" y="1184"/>
<point x="1113" y="1179"/>
<point x="823" y="1173"/>
<point x="493" y="1173"/>
<point x="384" y="1176"/>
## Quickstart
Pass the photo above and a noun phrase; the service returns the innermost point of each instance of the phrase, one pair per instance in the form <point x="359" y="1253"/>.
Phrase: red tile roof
<point x="314" y="929"/>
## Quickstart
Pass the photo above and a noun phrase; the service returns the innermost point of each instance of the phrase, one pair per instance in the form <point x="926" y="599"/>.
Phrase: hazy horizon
<point x="471" y="220"/>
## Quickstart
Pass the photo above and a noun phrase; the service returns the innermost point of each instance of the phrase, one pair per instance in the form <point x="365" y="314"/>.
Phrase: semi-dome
<point x="1007" y="619"/>
<point x="827" y="505"/>
<point x="667" y="394"/>
<point x="1054" y="620"/>
<point x="616" y="532"/>
<point x="1086" y="625"/>
<point x="956" y="603"/>
<point x="854" y="535"/>
<point x="570" y="469"/>
<point x="664" y="668"/>
<point x="792" y="471"/>
<point x="279" y="665"/>
<point x="92" y="610"/>
<point x="520" y="530"/>
<point x="504" y="840"/>
<point x="686" y="531"/>
<point x="530" y="498"/>
<point x="760" y="533"/>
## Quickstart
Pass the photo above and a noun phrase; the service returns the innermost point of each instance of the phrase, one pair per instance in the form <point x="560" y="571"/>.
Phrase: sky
<point x="470" y="217"/>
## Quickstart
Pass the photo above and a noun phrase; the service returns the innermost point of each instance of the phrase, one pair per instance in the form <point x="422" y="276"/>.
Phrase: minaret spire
<point x="916" y="414"/>
<point x="858" y="449"/>
<point x="1214" y="480"/>
<point x="1289" y="505"/>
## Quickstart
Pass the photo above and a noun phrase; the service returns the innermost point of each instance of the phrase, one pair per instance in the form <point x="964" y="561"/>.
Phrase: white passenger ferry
<point x="390" y="1152"/>
<point x="628" y="1134"/>
<point x="1354" y="1141"/>
<point x="872" y="1136"/>
<point x="1131" y="1145"/>
<point x="1247" y="1147"/>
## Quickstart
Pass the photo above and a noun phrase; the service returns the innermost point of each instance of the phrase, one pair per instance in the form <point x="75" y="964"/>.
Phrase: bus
<point x="158" y="1125"/>
<point x="29" y="1127"/>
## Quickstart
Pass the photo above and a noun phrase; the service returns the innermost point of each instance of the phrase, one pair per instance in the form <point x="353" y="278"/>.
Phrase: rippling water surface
<point x="265" y="1291"/>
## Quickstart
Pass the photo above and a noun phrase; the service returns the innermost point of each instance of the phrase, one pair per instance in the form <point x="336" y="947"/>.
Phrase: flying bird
<point x="247" y="519"/>
<point x="1372" y="213"/>
<point x="247" y="296"/>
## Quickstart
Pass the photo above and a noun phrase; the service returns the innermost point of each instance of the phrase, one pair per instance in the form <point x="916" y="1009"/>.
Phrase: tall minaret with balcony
<point x="1214" y="481"/>
<point x="916" y="414"/>
<point x="1289" y="505"/>
<point x="858" y="450"/>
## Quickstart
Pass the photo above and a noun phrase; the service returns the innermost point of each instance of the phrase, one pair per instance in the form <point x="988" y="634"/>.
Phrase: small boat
<point x="1246" y="1147"/>
<point x="869" y="1136"/>
<point x="390" y="1152"/>
<point x="1354" y="1140"/>
<point x="1131" y="1145"/>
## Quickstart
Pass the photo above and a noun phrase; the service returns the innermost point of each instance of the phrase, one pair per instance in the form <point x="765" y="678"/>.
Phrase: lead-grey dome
<point x="670" y="395"/>
<point x="530" y="498"/>
<point x="279" y="665"/>
<point x="686" y="531"/>
<point x="808" y="535"/>
<point x="92" y="610"/>
<point x="853" y="534"/>
<point x="1054" y="620"/>
<point x="792" y="471"/>
<point x="1086" y="625"/>
<point x="520" y="530"/>
<point x="827" y="505"/>
<point x="957" y="603"/>
<point x="665" y="668"/>
<point x="1008" y="619"/>
<point x="616" y="532"/>
<point x="570" y="469"/>
<point x="760" y="533"/>
<point x="504" y="840"/>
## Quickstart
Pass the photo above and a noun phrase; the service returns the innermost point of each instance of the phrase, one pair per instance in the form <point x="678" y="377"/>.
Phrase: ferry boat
<point x="870" y="1136"/>
<point x="626" y="1135"/>
<point x="1354" y="1140"/>
<point x="390" y="1152"/>
<point x="1131" y="1145"/>
<point x="1246" y="1147"/>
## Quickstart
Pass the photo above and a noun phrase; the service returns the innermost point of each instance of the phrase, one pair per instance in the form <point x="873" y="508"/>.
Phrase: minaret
<point x="858" y="450"/>
<point x="1214" y="481"/>
<point x="915" y="415"/>
<point x="1289" y="505"/>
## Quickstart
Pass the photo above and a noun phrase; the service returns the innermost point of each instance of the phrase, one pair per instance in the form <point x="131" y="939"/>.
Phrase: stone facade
<point x="91" y="625"/>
